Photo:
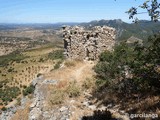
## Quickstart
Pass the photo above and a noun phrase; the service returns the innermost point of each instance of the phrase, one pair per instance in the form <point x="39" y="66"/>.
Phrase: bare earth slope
<point x="79" y="72"/>
<point x="54" y="85"/>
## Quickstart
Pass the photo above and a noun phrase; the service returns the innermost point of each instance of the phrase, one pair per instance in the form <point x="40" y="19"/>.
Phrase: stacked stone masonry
<point x="87" y="44"/>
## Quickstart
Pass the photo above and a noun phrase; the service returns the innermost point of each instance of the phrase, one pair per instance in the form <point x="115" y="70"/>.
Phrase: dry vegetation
<point x="22" y="114"/>
<point x="23" y="38"/>
<point x="74" y="78"/>
<point x="72" y="73"/>
<point x="62" y="91"/>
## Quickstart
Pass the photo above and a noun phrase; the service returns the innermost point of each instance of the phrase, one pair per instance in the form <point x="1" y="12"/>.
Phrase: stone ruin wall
<point x="83" y="44"/>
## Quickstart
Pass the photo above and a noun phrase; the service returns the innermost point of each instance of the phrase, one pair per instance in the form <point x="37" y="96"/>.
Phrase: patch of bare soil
<point x="79" y="72"/>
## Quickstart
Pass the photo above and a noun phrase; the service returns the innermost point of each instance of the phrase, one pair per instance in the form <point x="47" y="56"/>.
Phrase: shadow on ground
<point x="100" y="115"/>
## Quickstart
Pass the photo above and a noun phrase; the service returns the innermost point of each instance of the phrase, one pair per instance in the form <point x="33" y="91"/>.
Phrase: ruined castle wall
<point x="80" y="43"/>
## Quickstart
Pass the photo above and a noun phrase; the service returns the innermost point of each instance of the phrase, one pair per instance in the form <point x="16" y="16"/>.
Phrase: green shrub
<point x="14" y="56"/>
<point x="41" y="60"/>
<point x="24" y="86"/>
<point x="39" y="74"/>
<point x="4" y="109"/>
<point x="10" y="70"/>
<point x="112" y="65"/>
<point x="146" y="63"/>
<point x="57" y="65"/>
<point x="58" y="54"/>
<point x="1" y="85"/>
<point x="142" y="62"/>
<point x="28" y="90"/>
<point x="8" y="93"/>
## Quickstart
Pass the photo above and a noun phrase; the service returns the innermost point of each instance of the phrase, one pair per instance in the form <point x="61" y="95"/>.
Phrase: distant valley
<point x="25" y="52"/>
<point x="141" y="30"/>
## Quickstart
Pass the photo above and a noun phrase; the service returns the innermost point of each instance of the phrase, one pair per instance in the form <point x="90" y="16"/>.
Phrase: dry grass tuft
<point x="57" y="96"/>
<point x="64" y="90"/>
<point x="73" y="80"/>
<point x="89" y="83"/>
<point x="73" y="90"/>
<point x="22" y="114"/>
<point x="70" y="63"/>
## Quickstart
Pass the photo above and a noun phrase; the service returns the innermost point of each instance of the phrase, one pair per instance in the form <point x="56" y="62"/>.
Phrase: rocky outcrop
<point x="7" y="115"/>
<point x="10" y="111"/>
<point x="38" y="102"/>
<point x="80" y="43"/>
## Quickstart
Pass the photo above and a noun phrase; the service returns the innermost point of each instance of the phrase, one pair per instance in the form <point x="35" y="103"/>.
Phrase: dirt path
<point x="79" y="72"/>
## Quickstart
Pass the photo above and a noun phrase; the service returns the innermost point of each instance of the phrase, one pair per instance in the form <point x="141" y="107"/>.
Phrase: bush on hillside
<point x="142" y="63"/>
<point x="58" y="64"/>
<point x="9" y="93"/>
<point x="112" y="65"/>
<point x="4" y="109"/>
<point x="58" y="54"/>
<point x="14" y="56"/>
<point x="146" y="65"/>
<point x="28" y="90"/>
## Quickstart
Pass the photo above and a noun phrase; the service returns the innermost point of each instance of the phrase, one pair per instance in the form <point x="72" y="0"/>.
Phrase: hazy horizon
<point x="72" y="22"/>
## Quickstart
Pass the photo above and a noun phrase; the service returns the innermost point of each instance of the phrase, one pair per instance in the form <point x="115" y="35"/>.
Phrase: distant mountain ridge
<point x="141" y="30"/>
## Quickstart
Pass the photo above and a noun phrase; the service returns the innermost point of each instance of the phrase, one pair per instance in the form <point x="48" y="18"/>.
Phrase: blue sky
<point x="53" y="11"/>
